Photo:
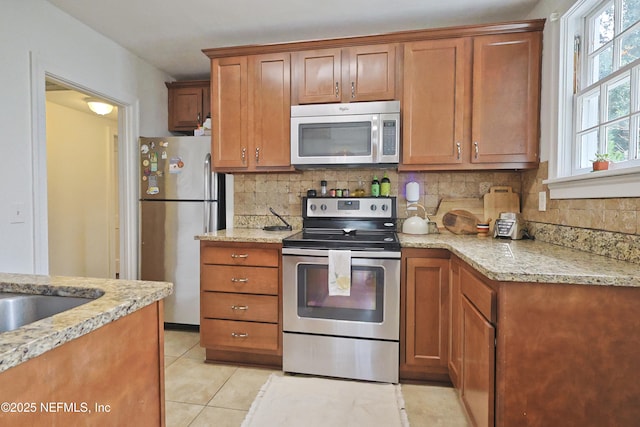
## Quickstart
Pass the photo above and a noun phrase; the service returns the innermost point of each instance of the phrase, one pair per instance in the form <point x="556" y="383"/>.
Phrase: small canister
<point x="338" y="192"/>
<point x="332" y="192"/>
<point x="345" y="192"/>
<point x="323" y="188"/>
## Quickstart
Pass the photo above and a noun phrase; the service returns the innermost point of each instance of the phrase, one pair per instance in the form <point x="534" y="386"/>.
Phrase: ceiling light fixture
<point x="98" y="106"/>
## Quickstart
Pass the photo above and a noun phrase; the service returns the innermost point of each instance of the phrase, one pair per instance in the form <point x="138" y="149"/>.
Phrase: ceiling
<point x="171" y="34"/>
<point x="70" y="98"/>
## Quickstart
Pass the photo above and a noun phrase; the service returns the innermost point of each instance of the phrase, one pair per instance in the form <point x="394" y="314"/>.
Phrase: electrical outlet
<point x="542" y="201"/>
<point x="17" y="213"/>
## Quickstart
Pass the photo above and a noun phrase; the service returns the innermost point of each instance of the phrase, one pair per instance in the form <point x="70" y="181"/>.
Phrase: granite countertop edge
<point x="529" y="261"/>
<point x="519" y="261"/>
<point x="114" y="299"/>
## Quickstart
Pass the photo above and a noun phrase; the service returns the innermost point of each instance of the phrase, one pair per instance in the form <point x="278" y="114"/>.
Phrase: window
<point x="598" y="98"/>
<point x="607" y="105"/>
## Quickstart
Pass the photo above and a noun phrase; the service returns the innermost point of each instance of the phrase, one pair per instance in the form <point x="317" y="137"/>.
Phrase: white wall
<point x="79" y="157"/>
<point x="69" y="50"/>
<point x="550" y="56"/>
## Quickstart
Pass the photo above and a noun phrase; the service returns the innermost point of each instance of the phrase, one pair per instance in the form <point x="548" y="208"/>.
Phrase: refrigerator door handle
<point x="207" y="193"/>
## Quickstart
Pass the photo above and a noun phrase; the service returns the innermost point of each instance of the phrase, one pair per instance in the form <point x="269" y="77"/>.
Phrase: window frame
<point x="566" y="181"/>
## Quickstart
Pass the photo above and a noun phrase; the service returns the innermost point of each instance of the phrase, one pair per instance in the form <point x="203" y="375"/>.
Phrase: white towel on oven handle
<point x="339" y="272"/>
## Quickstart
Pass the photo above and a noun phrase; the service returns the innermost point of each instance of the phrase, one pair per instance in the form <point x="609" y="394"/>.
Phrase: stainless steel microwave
<point x="351" y="134"/>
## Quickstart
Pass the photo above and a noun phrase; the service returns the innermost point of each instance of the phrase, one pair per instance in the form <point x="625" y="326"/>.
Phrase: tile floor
<point x="202" y="394"/>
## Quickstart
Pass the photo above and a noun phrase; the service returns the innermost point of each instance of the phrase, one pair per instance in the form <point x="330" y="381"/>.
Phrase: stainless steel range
<point x="341" y="290"/>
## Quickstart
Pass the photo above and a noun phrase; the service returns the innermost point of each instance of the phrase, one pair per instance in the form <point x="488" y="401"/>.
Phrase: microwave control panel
<point x="389" y="136"/>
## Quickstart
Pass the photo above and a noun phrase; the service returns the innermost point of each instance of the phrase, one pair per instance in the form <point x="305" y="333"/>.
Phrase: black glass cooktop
<point x="344" y="239"/>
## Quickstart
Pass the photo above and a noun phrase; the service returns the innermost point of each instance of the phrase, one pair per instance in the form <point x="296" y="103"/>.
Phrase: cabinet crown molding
<point x="394" y="37"/>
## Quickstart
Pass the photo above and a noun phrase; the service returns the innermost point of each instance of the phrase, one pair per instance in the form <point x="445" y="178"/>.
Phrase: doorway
<point x="82" y="185"/>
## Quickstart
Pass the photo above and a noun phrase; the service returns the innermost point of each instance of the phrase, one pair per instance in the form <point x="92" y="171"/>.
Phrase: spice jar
<point x="323" y="188"/>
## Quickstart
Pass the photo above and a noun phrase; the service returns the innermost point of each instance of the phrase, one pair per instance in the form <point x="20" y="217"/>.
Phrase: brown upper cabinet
<point x="189" y="104"/>
<point x="472" y="102"/>
<point x="251" y="102"/>
<point x="359" y="73"/>
<point x="470" y="95"/>
<point x="506" y="98"/>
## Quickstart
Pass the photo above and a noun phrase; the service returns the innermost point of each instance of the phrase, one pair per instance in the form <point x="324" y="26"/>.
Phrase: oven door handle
<point x="354" y="254"/>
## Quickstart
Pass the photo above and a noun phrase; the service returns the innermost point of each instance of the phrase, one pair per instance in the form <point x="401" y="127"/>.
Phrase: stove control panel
<point x="345" y="207"/>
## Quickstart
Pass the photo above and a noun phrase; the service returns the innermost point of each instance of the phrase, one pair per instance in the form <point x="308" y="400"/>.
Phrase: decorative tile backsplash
<point x="608" y="227"/>
<point x="255" y="193"/>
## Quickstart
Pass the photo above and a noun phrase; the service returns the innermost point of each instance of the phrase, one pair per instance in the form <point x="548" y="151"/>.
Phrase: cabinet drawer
<point x="252" y="280"/>
<point x="256" y="308"/>
<point x="479" y="294"/>
<point x="236" y="334"/>
<point x="240" y="256"/>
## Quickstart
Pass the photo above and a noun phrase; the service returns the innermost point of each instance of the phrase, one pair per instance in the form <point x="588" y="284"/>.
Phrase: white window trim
<point x="604" y="184"/>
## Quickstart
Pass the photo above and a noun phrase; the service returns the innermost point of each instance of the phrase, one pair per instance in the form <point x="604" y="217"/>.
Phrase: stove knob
<point x="323" y="207"/>
<point x="312" y="207"/>
<point x="384" y="208"/>
<point x="374" y="207"/>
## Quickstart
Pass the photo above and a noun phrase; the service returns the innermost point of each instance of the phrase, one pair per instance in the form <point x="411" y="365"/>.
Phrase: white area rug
<point x="288" y="401"/>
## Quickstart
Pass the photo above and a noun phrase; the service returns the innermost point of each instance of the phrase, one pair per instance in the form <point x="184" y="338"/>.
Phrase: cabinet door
<point x="455" y="325"/>
<point x="506" y="98"/>
<point x="229" y="121"/>
<point x="270" y="110"/>
<point x="436" y="93"/>
<point x="185" y="108"/>
<point x="371" y="74"/>
<point x="478" y="365"/>
<point x="206" y="101"/>
<point x="427" y="300"/>
<point x="317" y="75"/>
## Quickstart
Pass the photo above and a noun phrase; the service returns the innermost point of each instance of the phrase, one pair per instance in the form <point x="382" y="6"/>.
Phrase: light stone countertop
<point x="501" y="260"/>
<point x="530" y="260"/>
<point x="114" y="299"/>
<point x="246" y="235"/>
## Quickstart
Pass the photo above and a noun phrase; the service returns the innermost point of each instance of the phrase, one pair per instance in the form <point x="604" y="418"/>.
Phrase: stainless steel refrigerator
<point x="180" y="197"/>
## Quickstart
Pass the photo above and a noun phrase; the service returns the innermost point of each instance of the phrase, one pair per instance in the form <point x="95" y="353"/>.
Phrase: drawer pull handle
<point x="239" y="334"/>
<point x="239" y="255"/>
<point x="239" y="307"/>
<point x="236" y="280"/>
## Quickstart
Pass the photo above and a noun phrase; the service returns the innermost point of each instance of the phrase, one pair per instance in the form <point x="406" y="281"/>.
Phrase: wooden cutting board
<point x="473" y="205"/>
<point x="460" y="222"/>
<point x="500" y="199"/>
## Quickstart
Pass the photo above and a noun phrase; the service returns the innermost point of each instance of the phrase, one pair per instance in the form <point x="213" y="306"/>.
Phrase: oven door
<point x="372" y="310"/>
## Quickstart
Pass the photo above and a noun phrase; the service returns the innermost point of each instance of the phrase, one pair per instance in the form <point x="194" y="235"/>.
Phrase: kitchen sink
<point x="17" y="310"/>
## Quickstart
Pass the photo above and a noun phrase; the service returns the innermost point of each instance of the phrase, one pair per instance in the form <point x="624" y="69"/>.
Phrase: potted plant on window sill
<point x="601" y="162"/>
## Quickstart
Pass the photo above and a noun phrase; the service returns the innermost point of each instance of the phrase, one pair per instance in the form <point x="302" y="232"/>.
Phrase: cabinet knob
<point x="239" y="280"/>
<point x="475" y="147"/>
<point x="353" y="89"/>
<point x="244" y="154"/>
<point x="257" y="154"/>
<point x="459" y="149"/>
<point x="337" y="90"/>
<point x="239" y="307"/>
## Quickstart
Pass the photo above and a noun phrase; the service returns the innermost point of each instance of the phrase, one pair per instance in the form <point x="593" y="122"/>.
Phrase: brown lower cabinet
<point x="477" y="334"/>
<point x="240" y="313"/>
<point x="424" y="317"/>
<point x="113" y="376"/>
<point x="543" y="354"/>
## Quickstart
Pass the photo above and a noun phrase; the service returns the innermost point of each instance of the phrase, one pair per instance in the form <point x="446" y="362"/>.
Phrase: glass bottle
<point x="375" y="186"/>
<point x="385" y="186"/>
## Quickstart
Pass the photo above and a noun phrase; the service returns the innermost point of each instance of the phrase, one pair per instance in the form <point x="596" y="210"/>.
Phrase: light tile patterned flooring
<point x="202" y="394"/>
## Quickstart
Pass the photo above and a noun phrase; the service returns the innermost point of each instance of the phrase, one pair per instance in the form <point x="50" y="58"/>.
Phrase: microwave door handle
<point x="376" y="148"/>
